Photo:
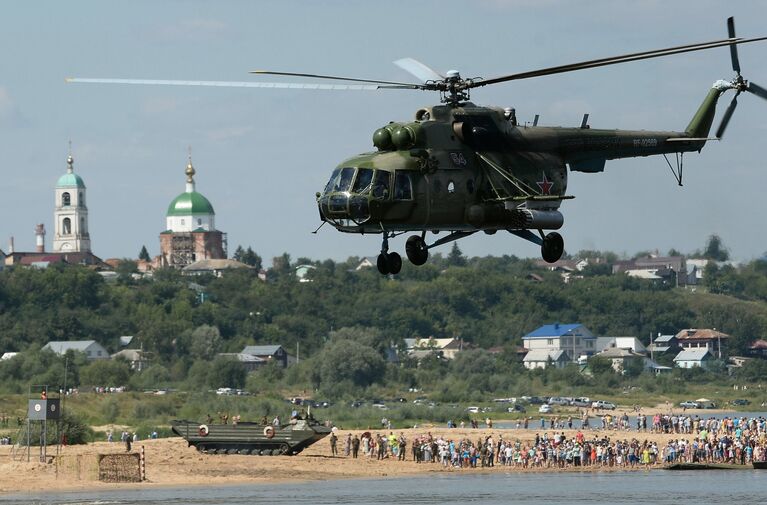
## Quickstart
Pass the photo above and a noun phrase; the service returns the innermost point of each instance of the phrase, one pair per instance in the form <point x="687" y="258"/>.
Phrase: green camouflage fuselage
<point x="473" y="168"/>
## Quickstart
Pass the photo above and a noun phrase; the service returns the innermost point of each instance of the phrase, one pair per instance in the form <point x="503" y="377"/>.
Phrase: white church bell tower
<point x="70" y="214"/>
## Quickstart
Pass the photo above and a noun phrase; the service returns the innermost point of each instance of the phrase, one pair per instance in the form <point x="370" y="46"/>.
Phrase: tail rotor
<point x="739" y="84"/>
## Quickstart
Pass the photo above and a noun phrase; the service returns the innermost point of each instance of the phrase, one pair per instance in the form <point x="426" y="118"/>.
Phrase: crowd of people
<point x="735" y="440"/>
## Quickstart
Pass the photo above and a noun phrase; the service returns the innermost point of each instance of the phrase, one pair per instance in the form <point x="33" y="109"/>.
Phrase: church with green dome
<point x="71" y="213"/>
<point x="190" y="233"/>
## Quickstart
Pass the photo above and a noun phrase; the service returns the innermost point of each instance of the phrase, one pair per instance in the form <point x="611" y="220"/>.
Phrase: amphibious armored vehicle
<point x="251" y="438"/>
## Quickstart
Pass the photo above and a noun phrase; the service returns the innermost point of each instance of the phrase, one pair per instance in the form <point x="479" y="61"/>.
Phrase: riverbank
<point x="170" y="462"/>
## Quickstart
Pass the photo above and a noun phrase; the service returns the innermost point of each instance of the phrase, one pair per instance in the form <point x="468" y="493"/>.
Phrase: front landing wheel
<point x="552" y="248"/>
<point x="389" y="263"/>
<point x="416" y="249"/>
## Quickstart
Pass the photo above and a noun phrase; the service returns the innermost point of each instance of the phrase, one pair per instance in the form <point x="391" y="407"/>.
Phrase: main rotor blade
<point x="418" y="69"/>
<point x="239" y="84"/>
<point x="733" y="49"/>
<point x="614" y="60"/>
<point x="757" y="90"/>
<point x="726" y="117"/>
<point x="334" y="78"/>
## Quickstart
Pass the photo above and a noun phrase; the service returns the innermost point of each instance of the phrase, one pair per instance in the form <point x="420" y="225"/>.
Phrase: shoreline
<point x="171" y="463"/>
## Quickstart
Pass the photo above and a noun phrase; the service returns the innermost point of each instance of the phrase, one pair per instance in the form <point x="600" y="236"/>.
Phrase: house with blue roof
<point x="557" y="343"/>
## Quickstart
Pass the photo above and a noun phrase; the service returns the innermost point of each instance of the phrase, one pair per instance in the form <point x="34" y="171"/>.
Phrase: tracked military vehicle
<point x="252" y="438"/>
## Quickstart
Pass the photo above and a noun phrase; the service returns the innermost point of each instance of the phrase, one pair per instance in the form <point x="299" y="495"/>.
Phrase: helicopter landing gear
<point x="416" y="249"/>
<point x="552" y="247"/>
<point x="388" y="263"/>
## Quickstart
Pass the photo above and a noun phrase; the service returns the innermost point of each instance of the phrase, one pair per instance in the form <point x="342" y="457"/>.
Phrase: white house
<point x="631" y="343"/>
<point x="541" y="358"/>
<point x="574" y="339"/>
<point x="92" y="349"/>
<point x="689" y="358"/>
<point x="446" y="347"/>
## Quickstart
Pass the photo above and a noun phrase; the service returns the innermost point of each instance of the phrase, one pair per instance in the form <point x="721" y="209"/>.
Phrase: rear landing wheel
<point x="416" y="250"/>
<point x="383" y="264"/>
<point x="389" y="263"/>
<point x="552" y="248"/>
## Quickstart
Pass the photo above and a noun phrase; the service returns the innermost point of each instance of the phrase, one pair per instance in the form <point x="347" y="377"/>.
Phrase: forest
<point x="348" y="325"/>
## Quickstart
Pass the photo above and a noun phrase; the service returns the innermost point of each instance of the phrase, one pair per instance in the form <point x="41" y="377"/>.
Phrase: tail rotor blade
<point x="757" y="90"/>
<point x="726" y="117"/>
<point x="733" y="47"/>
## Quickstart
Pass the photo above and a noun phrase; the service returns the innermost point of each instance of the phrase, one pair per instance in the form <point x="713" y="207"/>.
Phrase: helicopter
<point x="461" y="168"/>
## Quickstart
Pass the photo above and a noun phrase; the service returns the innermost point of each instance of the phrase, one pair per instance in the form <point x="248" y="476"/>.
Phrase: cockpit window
<point x="333" y="177"/>
<point x="381" y="183"/>
<point x="344" y="180"/>
<point x="362" y="183"/>
<point x="403" y="186"/>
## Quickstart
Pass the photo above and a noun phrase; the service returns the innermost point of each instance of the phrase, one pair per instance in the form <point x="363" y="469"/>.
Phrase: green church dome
<point x="191" y="203"/>
<point x="70" y="181"/>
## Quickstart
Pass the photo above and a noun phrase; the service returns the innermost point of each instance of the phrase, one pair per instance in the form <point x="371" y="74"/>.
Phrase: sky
<point x="261" y="154"/>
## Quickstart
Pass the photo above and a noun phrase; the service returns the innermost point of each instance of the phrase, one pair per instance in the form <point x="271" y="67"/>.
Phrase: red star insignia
<point x="545" y="185"/>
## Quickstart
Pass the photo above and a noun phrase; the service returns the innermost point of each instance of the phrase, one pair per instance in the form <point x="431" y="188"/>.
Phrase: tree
<point x="205" y="341"/>
<point x="106" y="372"/>
<point x="144" y="254"/>
<point x="281" y="264"/>
<point x="227" y="372"/>
<point x="600" y="365"/>
<point x="347" y="360"/>
<point x="456" y="257"/>
<point x="715" y="249"/>
<point x="248" y="257"/>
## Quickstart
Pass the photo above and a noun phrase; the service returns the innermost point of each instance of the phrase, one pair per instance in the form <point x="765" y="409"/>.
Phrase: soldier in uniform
<point x="333" y="444"/>
<point x="355" y="446"/>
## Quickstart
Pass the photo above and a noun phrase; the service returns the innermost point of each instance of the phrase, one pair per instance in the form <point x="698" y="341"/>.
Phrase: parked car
<point x="558" y="400"/>
<point x="689" y="405"/>
<point x="472" y="410"/>
<point x="740" y="401"/>
<point x="545" y="409"/>
<point x="602" y="404"/>
<point x="517" y="408"/>
<point x="582" y="401"/>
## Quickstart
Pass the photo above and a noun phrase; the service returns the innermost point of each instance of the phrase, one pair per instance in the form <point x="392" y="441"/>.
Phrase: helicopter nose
<point x="344" y="206"/>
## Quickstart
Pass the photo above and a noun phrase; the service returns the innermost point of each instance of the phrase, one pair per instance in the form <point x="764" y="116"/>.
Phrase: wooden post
<point x="142" y="464"/>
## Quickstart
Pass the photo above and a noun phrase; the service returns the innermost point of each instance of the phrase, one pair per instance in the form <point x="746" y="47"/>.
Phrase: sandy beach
<point x="170" y="462"/>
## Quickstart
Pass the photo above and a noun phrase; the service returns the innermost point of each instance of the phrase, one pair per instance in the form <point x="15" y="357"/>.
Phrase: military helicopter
<point x="461" y="168"/>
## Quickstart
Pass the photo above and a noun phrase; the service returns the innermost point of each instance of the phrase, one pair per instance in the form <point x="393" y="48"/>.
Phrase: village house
<point x="267" y="353"/>
<point x="443" y="347"/>
<point x="92" y="349"/>
<point x="574" y="340"/>
<point x="664" y="344"/>
<point x="694" y="357"/>
<point x="250" y="362"/>
<point x="714" y="341"/>
<point x="137" y="358"/>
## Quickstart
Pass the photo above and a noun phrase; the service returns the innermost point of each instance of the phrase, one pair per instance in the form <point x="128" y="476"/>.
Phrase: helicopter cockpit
<point x="357" y="195"/>
<point x="347" y="197"/>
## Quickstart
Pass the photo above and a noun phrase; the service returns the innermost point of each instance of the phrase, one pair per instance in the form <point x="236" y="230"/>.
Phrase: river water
<point x="661" y="487"/>
<point x="595" y="422"/>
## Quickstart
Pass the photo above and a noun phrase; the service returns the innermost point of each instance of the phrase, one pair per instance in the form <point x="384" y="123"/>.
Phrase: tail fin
<point x="701" y="122"/>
